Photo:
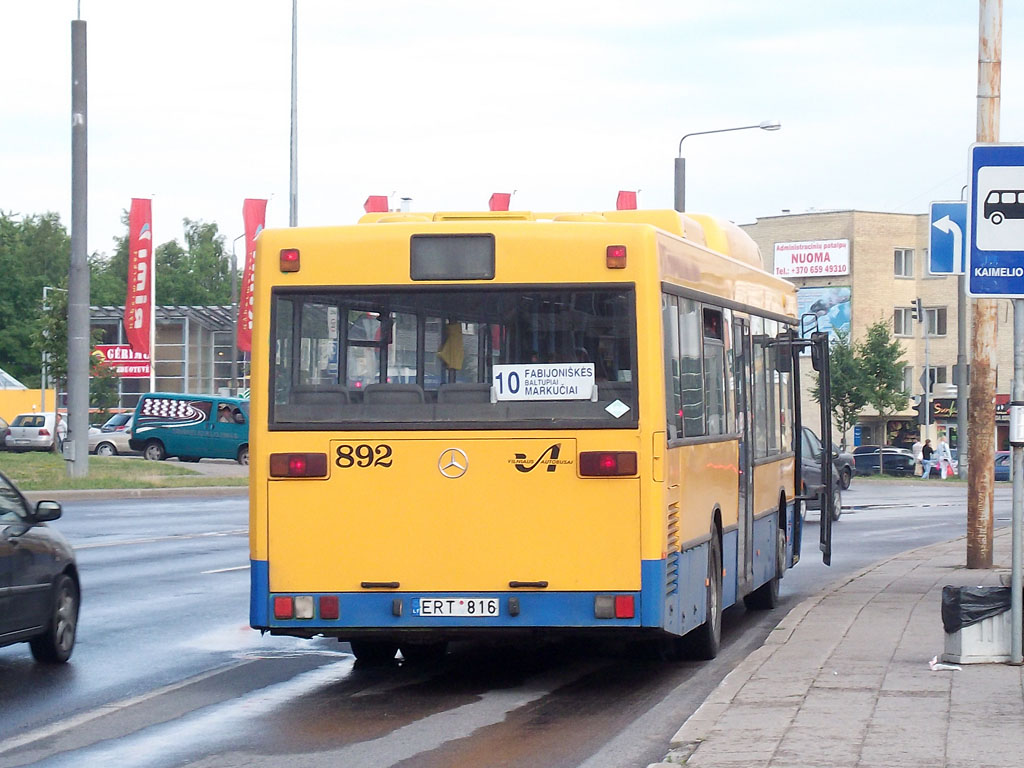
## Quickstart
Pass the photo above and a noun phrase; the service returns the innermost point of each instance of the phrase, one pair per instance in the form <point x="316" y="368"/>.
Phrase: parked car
<point x="191" y="427"/>
<point x="4" y="429"/>
<point x="32" y="432"/>
<point x="842" y="460"/>
<point x="40" y="593"/>
<point x="112" y="438"/>
<point x="895" y="461"/>
<point x="810" y="464"/>
<point x="1003" y="462"/>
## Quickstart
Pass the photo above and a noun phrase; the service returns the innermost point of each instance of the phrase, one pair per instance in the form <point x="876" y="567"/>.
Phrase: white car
<point x="32" y="432"/>
<point x="112" y="438"/>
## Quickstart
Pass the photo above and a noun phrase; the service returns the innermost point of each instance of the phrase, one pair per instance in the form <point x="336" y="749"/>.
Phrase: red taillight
<point x="283" y="608"/>
<point x="44" y="432"/>
<point x="615" y="257"/>
<point x="607" y="463"/>
<point x="624" y="607"/>
<point x="290" y="260"/>
<point x="328" y="606"/>
<point x="298" y="465"/>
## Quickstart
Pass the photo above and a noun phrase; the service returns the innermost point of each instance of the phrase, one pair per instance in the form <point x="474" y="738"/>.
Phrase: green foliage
<point x="102" y="388"/>
<point x="849" y="385"/>
<point x="881" y="360"/>
<point x="35" y="251"/>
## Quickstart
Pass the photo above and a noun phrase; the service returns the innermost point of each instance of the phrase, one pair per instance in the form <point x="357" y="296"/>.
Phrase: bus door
<point x="741" y="377"/>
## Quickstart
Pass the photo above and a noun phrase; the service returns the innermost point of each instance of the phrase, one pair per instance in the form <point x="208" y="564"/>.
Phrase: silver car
<point x="32" y="432"/>
<point x="112" y="438"/>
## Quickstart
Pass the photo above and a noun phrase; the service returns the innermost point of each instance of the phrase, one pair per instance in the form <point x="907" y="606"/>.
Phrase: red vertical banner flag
<point x="138" y="304"/>
<point x="254" y="214"/>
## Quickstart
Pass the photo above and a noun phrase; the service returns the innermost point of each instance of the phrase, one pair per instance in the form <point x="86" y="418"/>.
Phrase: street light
<point x="765" y="125"/>
<point x="234" y="316"/>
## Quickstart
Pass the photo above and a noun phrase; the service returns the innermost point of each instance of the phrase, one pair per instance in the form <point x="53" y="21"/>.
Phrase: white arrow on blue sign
<point x="946" y="254"/>
<point x="995" y="219"/>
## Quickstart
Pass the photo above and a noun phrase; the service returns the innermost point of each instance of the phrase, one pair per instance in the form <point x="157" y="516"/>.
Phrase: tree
<point x="35" y="251"/>
<point x="849" y="386"/>
<point x="881" y="361"/>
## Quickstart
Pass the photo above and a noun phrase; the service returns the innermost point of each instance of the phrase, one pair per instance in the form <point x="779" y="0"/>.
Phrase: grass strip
<point x="43" y="471"/>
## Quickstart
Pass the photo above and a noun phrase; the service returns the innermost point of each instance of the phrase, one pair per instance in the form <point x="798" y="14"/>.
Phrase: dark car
<point x="895" y="461"/>
<point x="810" y="464"/>
<point x="843" y="461"/>
<point x="1003" y="461"/>
<point x="39" y="588"/>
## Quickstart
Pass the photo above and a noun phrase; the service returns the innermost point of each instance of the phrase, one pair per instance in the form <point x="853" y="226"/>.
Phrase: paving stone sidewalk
<point x="844" y="681"/>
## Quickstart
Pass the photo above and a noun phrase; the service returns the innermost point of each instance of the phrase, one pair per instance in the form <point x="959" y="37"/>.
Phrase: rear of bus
<point x="446" y="430"/>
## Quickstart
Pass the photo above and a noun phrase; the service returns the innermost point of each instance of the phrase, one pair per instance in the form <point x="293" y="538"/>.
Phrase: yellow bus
<point x="481" y="424"/>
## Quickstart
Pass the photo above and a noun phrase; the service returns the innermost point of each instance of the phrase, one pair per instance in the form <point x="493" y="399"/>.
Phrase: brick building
<point x="885" y="270"/>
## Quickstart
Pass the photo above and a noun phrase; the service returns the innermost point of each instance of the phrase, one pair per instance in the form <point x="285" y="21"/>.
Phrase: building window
<point x="908" y="379"/>
<point x="903" y="262"/>
<point x="935" y="321"/>
<point x="902" y="321"/>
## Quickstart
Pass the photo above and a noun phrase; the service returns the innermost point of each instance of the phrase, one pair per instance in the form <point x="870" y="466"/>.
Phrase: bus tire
<point x="373" y="653"/>
<point x="154" y="451"/>
<point x="704" y="641"/>
<point x="766" y="597"/>
<point x="424" y="653"/>
<point x="996" y="218"/>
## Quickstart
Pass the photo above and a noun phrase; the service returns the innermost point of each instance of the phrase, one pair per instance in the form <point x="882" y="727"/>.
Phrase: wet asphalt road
<point x="167" y="672"/>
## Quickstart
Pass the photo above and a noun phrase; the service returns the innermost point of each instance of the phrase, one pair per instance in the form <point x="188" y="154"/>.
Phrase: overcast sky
<point x="564" y="101"/>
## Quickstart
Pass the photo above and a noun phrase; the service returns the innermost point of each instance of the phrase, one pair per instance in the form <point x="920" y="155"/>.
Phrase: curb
<point x="106" y="494"/>
<point x="695" y="730"/>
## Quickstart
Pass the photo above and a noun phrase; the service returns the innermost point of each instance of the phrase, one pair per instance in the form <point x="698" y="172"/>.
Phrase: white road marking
<point x="155" y="539"/>
<point x="225" y="570"/>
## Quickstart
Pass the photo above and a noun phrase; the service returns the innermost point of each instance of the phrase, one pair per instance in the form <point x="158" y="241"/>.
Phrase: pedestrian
<point x="926" y="459"/>
<point x="916" y="450"/>
<point x="943" y="458"/>
<point x="61" y="429"/>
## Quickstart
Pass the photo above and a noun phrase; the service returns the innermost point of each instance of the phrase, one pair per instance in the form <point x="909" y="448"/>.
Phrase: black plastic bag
<point x="963" y="606"/>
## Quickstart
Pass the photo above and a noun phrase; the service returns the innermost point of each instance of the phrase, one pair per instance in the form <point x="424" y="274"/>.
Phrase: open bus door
<point x="818" y="343"/>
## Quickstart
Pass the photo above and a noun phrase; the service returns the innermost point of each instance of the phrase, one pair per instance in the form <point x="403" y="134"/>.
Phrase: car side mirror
<point x="47" y="511"/>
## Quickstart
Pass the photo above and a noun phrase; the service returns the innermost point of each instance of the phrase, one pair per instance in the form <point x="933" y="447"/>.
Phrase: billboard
<point x="830" y="305"/>
<point x="128" y="363"/>
<point x="812" y="258"/>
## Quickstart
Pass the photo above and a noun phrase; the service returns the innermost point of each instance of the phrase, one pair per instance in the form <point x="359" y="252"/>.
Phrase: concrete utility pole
<point x="76" y="448"/>
<point x="982" y="416"/>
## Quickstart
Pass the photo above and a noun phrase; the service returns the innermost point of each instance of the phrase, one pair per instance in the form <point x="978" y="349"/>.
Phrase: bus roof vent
<point x="484" y="216"/>
<point x="591" y="217"/>
<point x="399" y="218"/>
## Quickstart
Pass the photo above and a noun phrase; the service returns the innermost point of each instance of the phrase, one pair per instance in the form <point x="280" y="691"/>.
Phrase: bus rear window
<point x="440" y="358"/>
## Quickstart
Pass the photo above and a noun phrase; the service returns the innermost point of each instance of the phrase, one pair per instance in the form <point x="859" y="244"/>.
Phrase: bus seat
<point x="461" y="392"/>
<point x="392" y="394"/>
<point x="325" y="394"/>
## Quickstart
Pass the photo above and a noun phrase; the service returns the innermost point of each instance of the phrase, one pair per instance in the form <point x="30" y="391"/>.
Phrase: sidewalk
<point x="844" y="681"/>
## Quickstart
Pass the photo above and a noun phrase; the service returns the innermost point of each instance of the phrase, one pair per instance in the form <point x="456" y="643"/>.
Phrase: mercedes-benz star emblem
<point x="453" y="463"/>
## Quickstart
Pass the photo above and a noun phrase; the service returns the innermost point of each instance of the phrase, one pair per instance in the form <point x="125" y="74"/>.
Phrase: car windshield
<point x="115" y="421"/>
<point x="12" y="508"/>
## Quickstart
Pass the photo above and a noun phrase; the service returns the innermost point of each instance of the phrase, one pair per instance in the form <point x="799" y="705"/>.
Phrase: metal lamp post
<point x="234" y="317"/>
<point x="680" y="185"/>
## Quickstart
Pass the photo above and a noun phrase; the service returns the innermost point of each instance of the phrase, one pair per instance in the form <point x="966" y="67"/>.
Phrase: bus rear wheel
<point x="374" y="652"/>
<point x="704" y="641"/>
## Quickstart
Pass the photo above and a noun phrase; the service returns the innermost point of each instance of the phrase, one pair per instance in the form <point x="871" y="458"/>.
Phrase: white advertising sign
<point x="816" y="258"/>
<point x="544" y="381"/>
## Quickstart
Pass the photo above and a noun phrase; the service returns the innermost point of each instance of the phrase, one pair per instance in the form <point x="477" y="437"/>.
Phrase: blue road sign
<point x="946" y="254"/>
<point x="995" y="216"/>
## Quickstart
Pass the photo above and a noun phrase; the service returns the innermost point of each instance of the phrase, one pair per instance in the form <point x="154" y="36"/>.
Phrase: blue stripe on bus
<point x="259" y="594"/>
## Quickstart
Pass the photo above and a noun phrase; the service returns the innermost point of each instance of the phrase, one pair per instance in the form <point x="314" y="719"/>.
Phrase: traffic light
<point x="917" y="311"/>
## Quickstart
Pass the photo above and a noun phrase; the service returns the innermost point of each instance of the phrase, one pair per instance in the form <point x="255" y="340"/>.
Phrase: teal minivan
<point x="191" y="427"/>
